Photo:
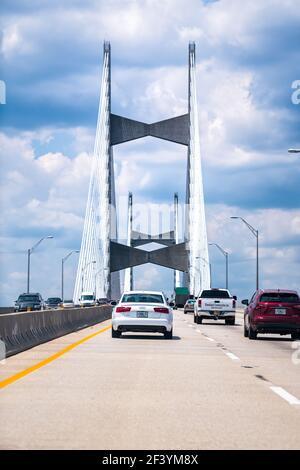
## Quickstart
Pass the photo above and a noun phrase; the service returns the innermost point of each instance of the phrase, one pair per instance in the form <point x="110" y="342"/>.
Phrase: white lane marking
<point x="198" y="331"/>
<point x="285" y="395"/>
<point x="232" y="356"/>
<point x="210" y="339"/>
<point x="191" y="326"/>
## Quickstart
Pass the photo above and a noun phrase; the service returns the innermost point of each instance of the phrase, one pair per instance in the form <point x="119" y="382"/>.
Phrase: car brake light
<point x="123" y="309"/>
<point x="199" y="302"/>
<point x="161" y="310"/>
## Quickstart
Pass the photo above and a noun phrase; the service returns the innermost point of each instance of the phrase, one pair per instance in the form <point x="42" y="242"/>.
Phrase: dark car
<point x="53" y="302"/>
<point x="272" y="311"/>
<point x="31" y="301"/>
<point x="102" y="301"/>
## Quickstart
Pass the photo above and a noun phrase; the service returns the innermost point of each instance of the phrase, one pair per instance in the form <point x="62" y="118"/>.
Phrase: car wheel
<point x="184" y="312"/>
<point x="246" y="332"/>
<point x="168" y="334"/>
<point x="295" y="336"/>
<point x="251" y="333"/>
<point x="115" y="334"/>
<point x="229" y="321"/>
<point x="199" y="320"/>
<point x="195" y="319"/>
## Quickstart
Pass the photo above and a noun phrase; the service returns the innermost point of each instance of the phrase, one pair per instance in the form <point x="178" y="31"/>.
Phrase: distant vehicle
<point x="32" y="301"/>
<point x="189" y="306"/>
<point x="142" y="311"/>
<point x="68" y="303"/>
<point x="102" y="301"/>
<point x="87" y="299"/>
<point x="272" y="311"/>
<point x="181" y="296"/>
<point x="53" y="302"/>
<point x="215" y="304"/>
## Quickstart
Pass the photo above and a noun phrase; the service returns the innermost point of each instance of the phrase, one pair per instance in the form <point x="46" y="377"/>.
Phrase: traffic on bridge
<point x="150" y="281"/>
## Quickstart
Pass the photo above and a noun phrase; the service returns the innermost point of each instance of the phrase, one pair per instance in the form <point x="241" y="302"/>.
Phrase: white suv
<point x="142" y="311"/>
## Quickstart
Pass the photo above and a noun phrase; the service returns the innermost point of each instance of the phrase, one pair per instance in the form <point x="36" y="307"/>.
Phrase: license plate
<point x="280" y="311"/>
<point x="142" y="314"/>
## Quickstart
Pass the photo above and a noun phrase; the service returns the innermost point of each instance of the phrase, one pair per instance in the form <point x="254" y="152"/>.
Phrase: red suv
<point x="272" y="311"/>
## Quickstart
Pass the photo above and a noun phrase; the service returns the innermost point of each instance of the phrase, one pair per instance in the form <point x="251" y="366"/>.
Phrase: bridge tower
<point x="101" y="255"/>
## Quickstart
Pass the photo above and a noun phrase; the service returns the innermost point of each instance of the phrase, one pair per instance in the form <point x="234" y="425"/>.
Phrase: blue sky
<point x="248" y="58"/>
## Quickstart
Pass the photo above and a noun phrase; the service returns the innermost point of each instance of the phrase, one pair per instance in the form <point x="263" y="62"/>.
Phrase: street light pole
<point x="226" y="254"/>
<point x="62" y="271"/>
<point x="29" y="252"/>
<point x="256" y="234"/>
<point x="83" y="270"/>
<point x="209" y="264"/>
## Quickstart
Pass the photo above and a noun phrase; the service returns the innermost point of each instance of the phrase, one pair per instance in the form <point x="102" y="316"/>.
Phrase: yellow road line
<point x="52" y="358"/>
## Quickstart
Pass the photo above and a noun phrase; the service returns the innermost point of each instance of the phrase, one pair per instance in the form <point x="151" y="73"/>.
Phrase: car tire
<point x="295" y="336"/>
<point x="115" y="334"/>
<point x="195" y="319"/>
<point x="168" y="334"/>
<point x="199" y="320"/>
<point x="246" y="332"/>
<point x="229" y="321"/>
<point x="251" y="333"/>
<point x="184" y="312"/>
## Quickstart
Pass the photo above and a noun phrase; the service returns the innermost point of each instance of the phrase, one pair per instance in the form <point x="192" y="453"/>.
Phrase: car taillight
<point x="199" y="302"/>
<point x="123" y="309"/>
<point x="161" y="310"/>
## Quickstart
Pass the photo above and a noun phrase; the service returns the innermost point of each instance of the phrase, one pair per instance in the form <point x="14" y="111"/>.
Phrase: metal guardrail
<point x="21" y="331"/>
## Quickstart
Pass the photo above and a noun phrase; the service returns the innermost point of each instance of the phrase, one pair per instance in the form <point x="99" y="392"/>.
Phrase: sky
<point x="248" y="56"/>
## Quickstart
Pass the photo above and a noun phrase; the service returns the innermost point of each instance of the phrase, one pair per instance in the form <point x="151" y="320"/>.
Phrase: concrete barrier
<point x="6" y="310"/>
<point x="25" y="330"/>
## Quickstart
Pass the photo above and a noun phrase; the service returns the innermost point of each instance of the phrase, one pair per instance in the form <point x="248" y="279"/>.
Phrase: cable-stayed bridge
<point x="102" y="256"/>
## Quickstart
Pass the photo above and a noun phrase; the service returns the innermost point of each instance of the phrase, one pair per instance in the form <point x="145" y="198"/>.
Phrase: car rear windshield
<point x="54" y="299"/>
<point x="143" y="298"/>
<point x="215" y="294"/>
<point x="87" y="297"/>
<point x="28" y="298"/>
<point x="279" y="297"/>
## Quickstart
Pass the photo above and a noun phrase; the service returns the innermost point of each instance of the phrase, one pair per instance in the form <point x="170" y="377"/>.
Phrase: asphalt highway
<point x="208" y="388"/>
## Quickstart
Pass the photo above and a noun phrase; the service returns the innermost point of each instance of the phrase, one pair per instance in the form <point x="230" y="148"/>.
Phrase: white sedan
<point x="142" y="311"/>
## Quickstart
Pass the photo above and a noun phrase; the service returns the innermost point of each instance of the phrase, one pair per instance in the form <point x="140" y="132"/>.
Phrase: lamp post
<point x="62" y="271"/>
<point x="209" y="264"/>
<point x="83" y="270"/>
<point x="96" y="274"/>
<point x="255" y="233"/>
<point x="226" y="254"/>
<point x="29" y="252"/>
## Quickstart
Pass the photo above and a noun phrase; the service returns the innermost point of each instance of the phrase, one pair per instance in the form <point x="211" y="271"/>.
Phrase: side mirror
<point x="113" y="302"/>
<point x="245" y="302"/>
<point x="234" y="297"/>
<point x="171" y="304"/>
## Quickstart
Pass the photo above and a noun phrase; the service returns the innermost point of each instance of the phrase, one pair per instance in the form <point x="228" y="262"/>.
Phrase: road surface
<point x="208" y="388"/>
